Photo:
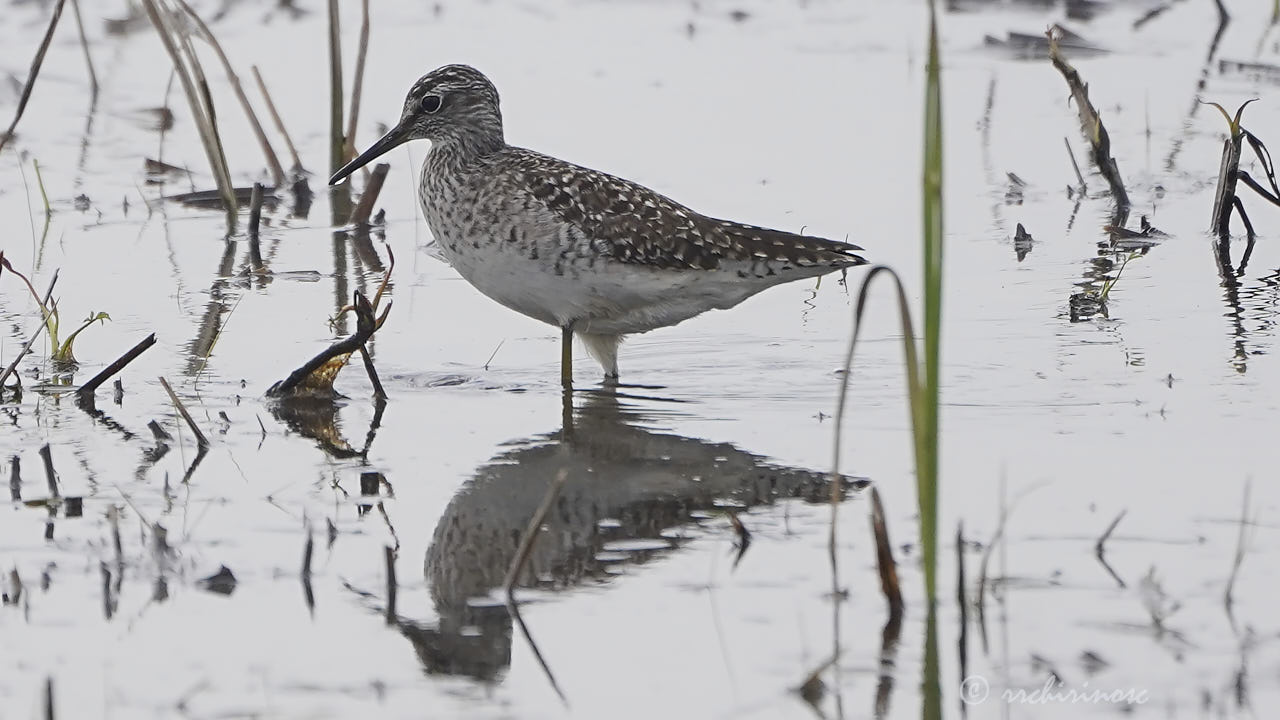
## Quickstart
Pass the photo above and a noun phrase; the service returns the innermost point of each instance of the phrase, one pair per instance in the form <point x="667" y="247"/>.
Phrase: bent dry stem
<point x="1225" y="198"/>
<point x="922" y="375"/>
<point x="1090" y="123"/>
<point x="186" y="66"/>
<point x="269" y="153"/>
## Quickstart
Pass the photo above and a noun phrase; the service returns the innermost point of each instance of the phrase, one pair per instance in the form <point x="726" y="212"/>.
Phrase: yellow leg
<point x="566" y="358"/>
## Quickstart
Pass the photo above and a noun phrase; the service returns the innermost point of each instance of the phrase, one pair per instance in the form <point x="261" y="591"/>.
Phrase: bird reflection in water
<point x="639" y="481"/>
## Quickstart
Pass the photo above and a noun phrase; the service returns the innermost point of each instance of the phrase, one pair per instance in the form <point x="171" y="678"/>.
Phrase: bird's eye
<point x="430" y="103"/>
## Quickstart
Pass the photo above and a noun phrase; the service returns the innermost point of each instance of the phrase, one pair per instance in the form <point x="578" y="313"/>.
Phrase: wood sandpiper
<point x="591" y="253"/>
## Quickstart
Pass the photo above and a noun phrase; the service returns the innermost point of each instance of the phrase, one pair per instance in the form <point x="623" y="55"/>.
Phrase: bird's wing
<point x="633" y="224"/>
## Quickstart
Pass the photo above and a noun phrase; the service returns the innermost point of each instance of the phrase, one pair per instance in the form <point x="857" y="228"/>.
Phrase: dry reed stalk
<point x="336" y="142"/>
<point x="201" y="440"/>
<point x="358" y="84"/>
<point x="275" y="117"/>
<point x="88" y="59"/>
<point x="36" y="62"/>
<point x="273" y="162"/>
<point x="198" y="98"/>
<point x="1090" y="123"/>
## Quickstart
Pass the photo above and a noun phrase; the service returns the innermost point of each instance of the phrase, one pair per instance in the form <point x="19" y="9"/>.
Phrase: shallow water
<point x="796" y="115"/>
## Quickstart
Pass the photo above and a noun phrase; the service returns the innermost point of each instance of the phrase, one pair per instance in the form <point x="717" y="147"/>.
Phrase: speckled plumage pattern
<point x="574" y="247"/>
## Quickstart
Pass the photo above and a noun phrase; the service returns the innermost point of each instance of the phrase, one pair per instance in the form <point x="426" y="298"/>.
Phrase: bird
<point x="596" y="255"/>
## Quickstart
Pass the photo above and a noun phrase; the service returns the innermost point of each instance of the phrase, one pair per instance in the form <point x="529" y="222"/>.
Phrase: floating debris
<point x="1037" y="46"/>
<point x="1125" y="239"/>
<point x="212" y="200"/>
<point x="1022" y="242"/>
<point x="160" y="168"/>
<point x="222" y="582"/>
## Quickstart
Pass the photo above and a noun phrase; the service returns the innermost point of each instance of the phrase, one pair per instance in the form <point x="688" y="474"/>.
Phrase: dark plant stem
<point x="115" y="367"/>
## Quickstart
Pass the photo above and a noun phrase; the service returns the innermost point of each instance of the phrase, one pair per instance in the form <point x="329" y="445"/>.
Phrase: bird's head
<point x="451" y="104"/>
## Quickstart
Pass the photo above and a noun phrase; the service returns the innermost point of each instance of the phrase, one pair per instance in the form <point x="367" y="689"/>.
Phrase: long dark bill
<point x="392" y="139"/>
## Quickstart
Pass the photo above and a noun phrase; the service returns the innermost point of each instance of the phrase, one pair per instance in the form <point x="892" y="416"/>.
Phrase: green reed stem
<point x="927" y="432"/>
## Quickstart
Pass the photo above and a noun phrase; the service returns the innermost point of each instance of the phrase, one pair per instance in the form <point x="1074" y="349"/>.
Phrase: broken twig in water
<point x="1090" y="123"/>
<point x="115" y="367"/>
<point x="255" y="212"/>
<point x="50" y="475"/>
<point x="315" y="377"/>
<point x="360" y="216"/>
<point x="13" y="365"/>
<point x="884" y="557"/>
<point x="34" y="72"/>
<point x="378" y="392"/>
<point x="523" y="552"/>
<point x="389" y="554"/>
<point x="514" y="609"/>
<point x="255" y="221"/>
<point x="525" y="549"/>
<point x="201" y="440"/>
